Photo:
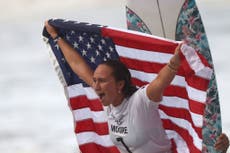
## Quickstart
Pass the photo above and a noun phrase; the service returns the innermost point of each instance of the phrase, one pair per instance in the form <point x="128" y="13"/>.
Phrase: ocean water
<point x="34" y="115"/>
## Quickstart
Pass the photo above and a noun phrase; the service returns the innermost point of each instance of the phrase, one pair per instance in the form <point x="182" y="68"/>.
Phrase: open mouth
<point x="101" y="95"/>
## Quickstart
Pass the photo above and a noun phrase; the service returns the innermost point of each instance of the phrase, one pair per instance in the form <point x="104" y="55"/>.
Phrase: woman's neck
<point x="118" y="100"/>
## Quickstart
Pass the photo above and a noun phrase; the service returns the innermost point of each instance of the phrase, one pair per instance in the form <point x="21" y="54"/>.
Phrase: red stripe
<point x="138" y="82"/>
<point x="171" y="90"/>
<point x="151" y="67"/>
<point x="176" y="91"/>
<point x="196" y="107"/>
<point x="197" y="82"/>
<point x="139" y="41"/>
<point x="143" y="66"/>
<point x="203" y="59"/>
<point x="183" y="133"/>
<point x="181" y="113"/>
<point x="90" y="125"/>
<point x="96" y="148"/>
<point x="83" y="102"/>
<point x="190" y="77"/>
<point x="173" y="146"/>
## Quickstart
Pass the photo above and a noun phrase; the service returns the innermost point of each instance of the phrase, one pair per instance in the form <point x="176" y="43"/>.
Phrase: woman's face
<point x="107" y="88"/>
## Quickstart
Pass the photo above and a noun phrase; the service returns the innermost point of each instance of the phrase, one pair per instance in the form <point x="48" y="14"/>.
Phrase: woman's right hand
<point x="51" y="30"/>
<point x="222" y="143"/>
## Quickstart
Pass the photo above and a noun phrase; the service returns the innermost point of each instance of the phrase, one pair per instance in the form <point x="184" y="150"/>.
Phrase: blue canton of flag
<point x="92" y="47"/>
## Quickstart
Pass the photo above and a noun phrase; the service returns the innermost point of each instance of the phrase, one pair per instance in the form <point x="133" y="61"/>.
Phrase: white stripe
<point x="86" y="113"/>
<point x="180" y="142"/>
<point x="140" y="34"/>
<point x="195" y="63"/>
<point x="79" y="90"/>
<point x="149" y="77"/>
<point x="194" y="94"/>
<point x="197" y="95"/>
<point x="197" y="119"/>
<point x="92" y="137"/>
<point x="185" y="125"/>
<point x="176" y="102"/>
<point x="143" y="55"/>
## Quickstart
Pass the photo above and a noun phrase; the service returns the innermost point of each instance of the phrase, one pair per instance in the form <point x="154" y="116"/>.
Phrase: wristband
<point x="172" y="68"/>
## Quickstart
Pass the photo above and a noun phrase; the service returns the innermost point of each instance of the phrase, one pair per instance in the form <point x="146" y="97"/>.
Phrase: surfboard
<point x="180" y="20"/>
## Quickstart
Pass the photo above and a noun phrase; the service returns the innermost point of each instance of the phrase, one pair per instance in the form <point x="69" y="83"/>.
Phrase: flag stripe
<point x="138" y="41"/>
<point x="193" y="93"/>
<point x="178" y="144"/>
<point x="86" y="113"/>
<point x="196" y="62"/>
<point x="83" y="102"/>
<point x="184" y="133"/>
<point x="89" y="125"/>
<point x="183" y="128"/>
<point x="177" y="102"/>
<point x="138" y="63"/>
<point x="95" y="148"/>
<point x="195" y="120"/>
<point x="149" y="56"/>
<point x="78" y="90"/>
<point x="91" y="137"/>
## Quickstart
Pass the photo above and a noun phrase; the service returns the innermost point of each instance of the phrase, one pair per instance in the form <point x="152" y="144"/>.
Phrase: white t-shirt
<point x="137" y="122"/>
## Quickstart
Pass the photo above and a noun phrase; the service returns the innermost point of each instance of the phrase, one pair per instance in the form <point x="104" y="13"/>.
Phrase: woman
<point x="134" y="122"/>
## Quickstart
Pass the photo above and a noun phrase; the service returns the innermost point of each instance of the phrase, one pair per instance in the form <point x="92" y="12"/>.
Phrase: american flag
<point x="184" y="100"/>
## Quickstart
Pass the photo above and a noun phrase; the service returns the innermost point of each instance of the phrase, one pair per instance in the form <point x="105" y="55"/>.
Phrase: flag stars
<point x="84" y="52"/>
<point x="80" y="38"/>
<point x="63" y="60"/>
<point x="97" y="53"/>
<point x="57" y="46"/>
<point x="111" y="49"/>
<point x="92" y="40"/>
<point x="103" y="41"/>
<point x="75" y="45"/>
<point x="99" y="47"/>
<point x="67" y="37"/>
<point x="92" y="60"/>
<point x="72" y="32"/>
<point x="88" y="46"/>
<point x="108" y="55"/>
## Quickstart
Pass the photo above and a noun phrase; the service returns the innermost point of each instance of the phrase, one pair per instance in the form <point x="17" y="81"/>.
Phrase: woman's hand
<point x="222" y="143"/>
<point x="51" y="30"/>
<point x="174" y="62"/>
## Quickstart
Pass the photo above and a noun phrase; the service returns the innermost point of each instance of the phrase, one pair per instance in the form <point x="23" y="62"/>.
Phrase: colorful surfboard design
<point x="180" y="20"/>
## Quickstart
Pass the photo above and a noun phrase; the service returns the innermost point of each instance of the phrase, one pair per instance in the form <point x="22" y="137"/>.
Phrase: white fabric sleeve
<point x="141" y="98"/>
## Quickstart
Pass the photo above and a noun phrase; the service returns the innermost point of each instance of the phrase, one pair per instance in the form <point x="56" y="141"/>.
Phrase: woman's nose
<point x="96" y="85"/>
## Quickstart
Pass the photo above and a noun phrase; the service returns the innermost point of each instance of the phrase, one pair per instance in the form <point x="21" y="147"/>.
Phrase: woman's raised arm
<point x="75" y="60"/>
<point x="165" y="76"/>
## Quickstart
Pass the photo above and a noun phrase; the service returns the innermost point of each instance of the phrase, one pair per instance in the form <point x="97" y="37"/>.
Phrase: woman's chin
<point x="104" y="103"/>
